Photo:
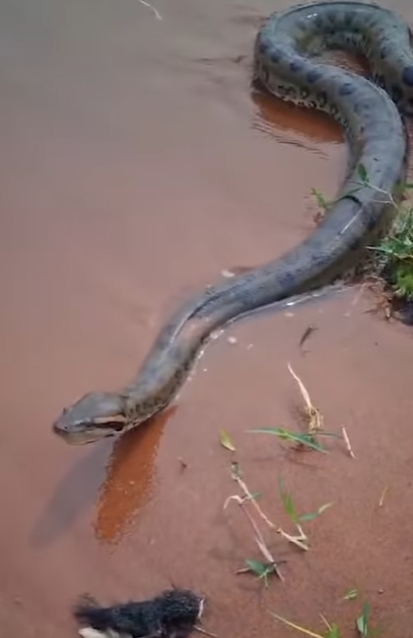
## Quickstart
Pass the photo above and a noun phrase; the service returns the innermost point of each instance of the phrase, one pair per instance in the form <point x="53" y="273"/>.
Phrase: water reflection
<point x="75" y="492"/>
<point x="130" y="479"/>
<point x="276" y="117"/>
<point x="289" y="124"/>
<point x="118" y="484"/>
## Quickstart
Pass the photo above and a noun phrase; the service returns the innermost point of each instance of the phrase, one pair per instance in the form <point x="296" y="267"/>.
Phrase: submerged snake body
<point x="375" y="134"/>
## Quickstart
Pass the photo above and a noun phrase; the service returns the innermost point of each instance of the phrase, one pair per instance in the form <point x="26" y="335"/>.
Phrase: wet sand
<point x="136" y="167"/>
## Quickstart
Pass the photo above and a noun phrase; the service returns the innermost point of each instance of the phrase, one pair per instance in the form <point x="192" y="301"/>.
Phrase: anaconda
<point x="370" y="112"/>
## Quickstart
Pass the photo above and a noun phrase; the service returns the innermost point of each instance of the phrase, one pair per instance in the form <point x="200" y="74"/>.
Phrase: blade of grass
<point x="363" y="621"/>
<point x="305" y="518"/>
<point x="351" y="594"/>
<point x="287" y="501"/>
<point x="256" y="567"/>
<point x="303" y="630"/>
<point x="225" y="441"/>
<point x="362" y="173"/>
<point x="291" y="436"/>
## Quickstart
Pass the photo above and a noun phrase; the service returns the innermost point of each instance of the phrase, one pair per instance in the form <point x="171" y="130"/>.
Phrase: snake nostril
<point x="59" y="427"/>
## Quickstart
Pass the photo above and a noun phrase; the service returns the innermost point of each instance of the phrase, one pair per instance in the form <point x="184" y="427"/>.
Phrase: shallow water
<point x="136" y="167"/>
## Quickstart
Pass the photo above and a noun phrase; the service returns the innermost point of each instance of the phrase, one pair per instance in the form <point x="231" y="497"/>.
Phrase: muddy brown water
<point x="136" y="166"/>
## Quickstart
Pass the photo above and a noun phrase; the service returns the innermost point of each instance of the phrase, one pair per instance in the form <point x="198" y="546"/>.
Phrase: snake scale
<point x="370" y="112"/>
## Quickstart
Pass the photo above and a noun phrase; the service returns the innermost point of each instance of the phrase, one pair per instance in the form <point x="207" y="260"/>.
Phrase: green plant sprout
<point x="394" y="253"/>
<point x="351" y="594"/>
<point x="298" y="519"/>
<point x="333" y="630"/>
<point x="314" y="423"/>
<point x="305" y="439"/>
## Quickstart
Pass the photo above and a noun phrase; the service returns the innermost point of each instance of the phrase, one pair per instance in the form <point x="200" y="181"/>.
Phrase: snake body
<point x="369" y="111"/>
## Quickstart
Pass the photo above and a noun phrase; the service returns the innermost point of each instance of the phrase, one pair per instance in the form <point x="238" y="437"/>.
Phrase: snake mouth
<point x="85" y="435"/>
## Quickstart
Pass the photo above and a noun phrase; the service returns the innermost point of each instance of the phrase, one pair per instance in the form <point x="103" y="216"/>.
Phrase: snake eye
<point x="118" y="427"/>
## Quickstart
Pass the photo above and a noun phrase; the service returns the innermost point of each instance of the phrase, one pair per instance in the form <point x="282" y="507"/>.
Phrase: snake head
<point x="94" y="416"/>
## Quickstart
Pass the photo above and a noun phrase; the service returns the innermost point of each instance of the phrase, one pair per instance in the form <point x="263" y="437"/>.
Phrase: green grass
<point x="362" y="622"/>
<point x="394" y="253"/>
<point x="291" y="510"/>
<point x="266" y="569"/>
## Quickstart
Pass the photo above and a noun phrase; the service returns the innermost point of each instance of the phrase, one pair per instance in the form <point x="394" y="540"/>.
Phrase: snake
<point x="371" y="110"/>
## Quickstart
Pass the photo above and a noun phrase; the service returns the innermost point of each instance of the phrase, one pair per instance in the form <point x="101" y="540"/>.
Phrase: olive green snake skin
<point x="369" y="111"/>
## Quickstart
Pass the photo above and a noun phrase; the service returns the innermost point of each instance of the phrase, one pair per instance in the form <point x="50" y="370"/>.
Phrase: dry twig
<point x="248" y="494"/>
<point x="258" y="536"/>
<point x="347" y="442"/>
<point x="315" y="419"/>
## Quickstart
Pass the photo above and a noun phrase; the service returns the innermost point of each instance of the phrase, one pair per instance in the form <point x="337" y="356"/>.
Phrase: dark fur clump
<point x="173" y="614"/>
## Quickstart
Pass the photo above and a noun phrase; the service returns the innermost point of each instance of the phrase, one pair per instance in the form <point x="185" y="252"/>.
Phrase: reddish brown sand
<point x="136" y="167"/>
